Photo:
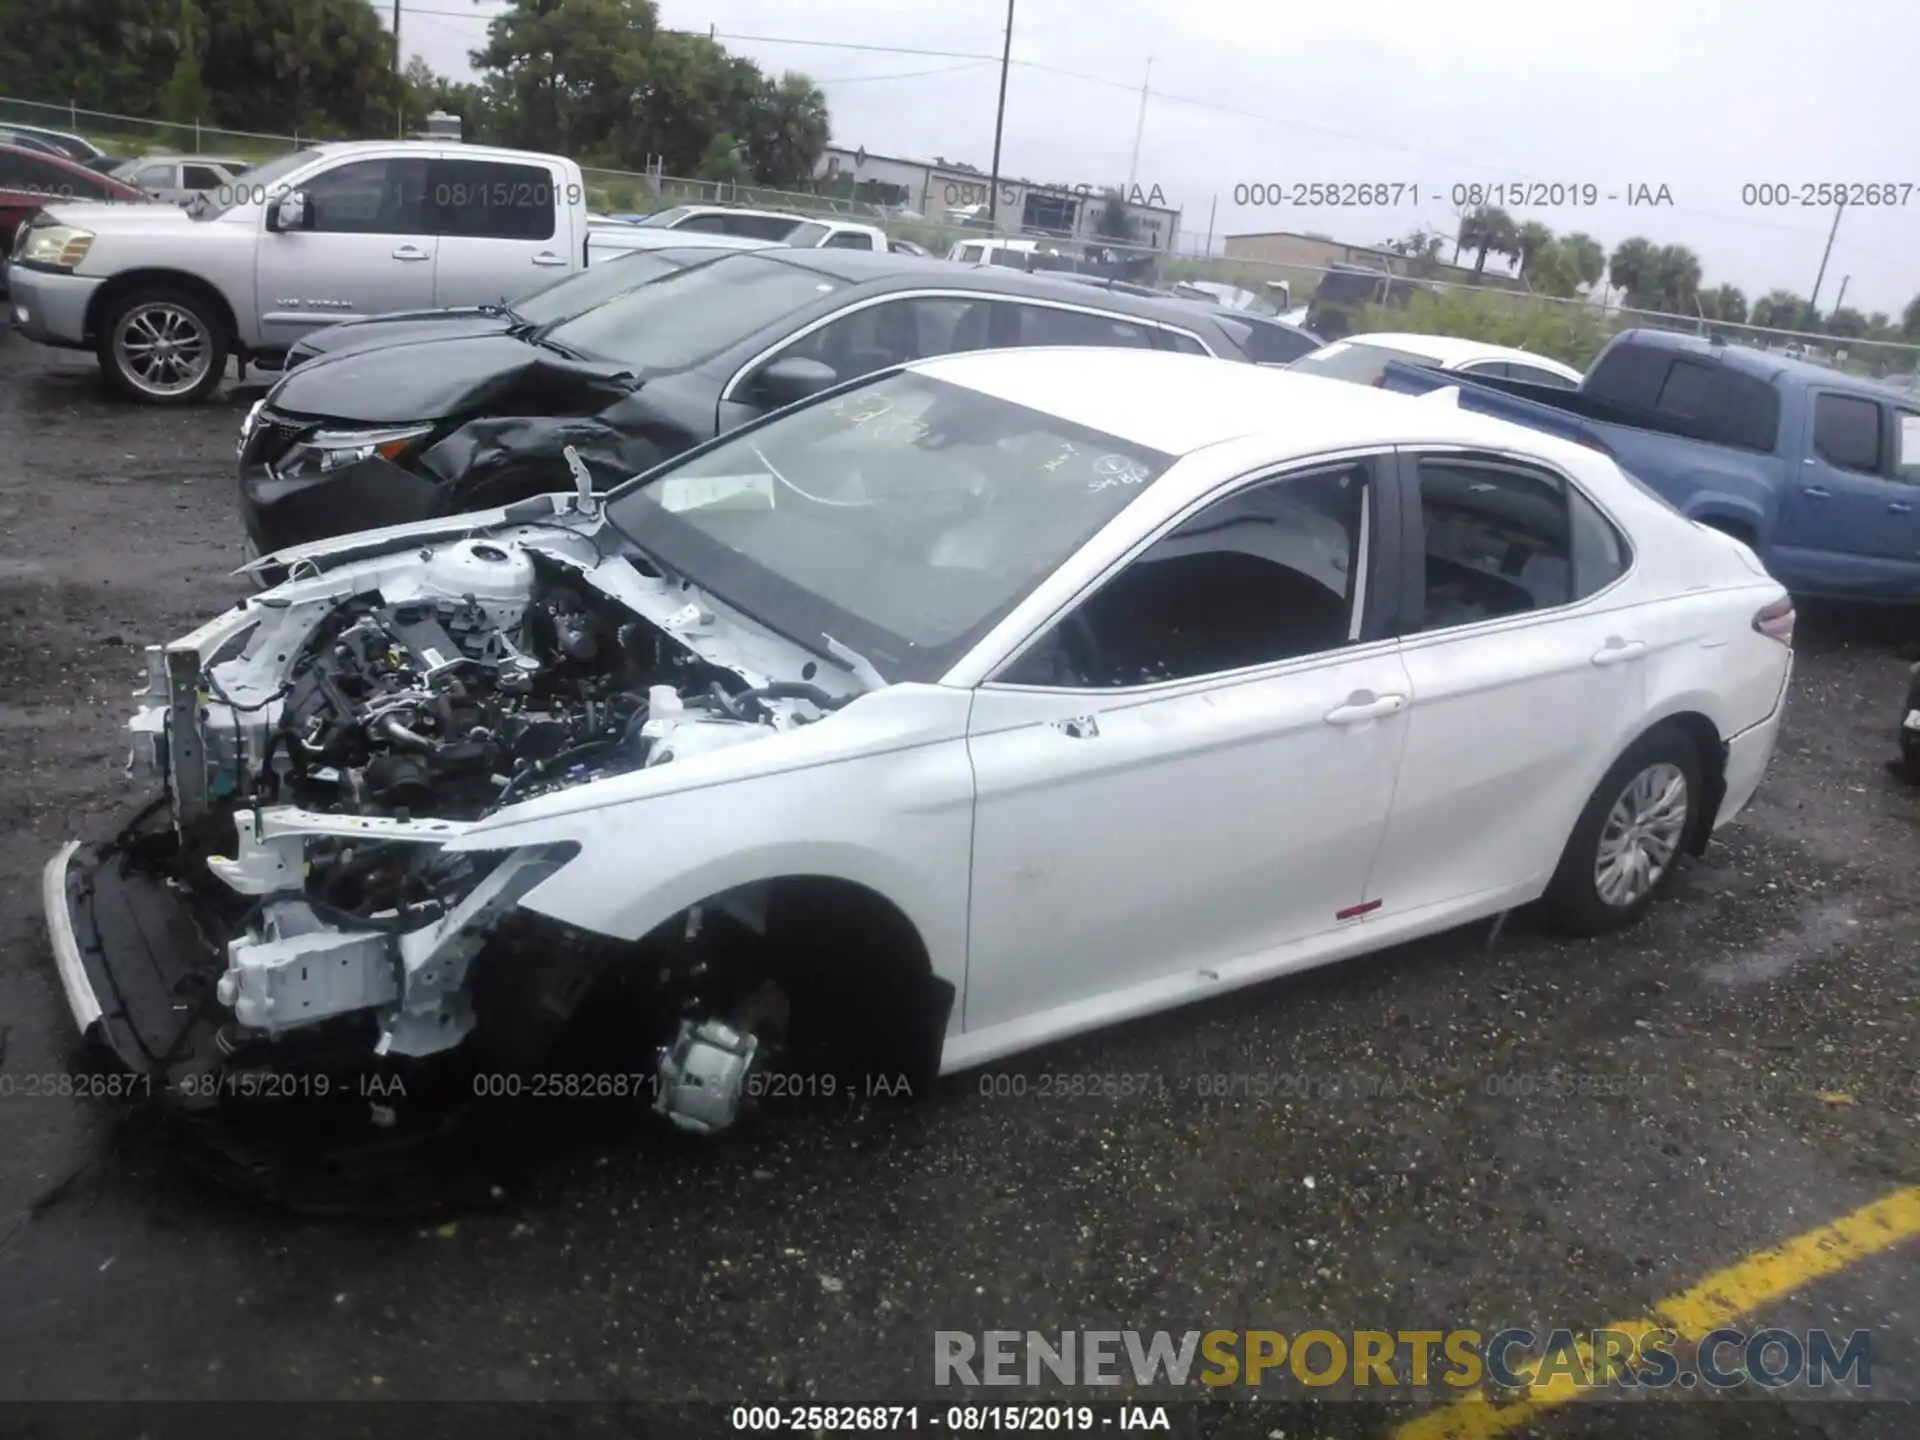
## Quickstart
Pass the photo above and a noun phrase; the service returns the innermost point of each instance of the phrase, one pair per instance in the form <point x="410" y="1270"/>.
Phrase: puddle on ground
<point x="1825" y="930"/>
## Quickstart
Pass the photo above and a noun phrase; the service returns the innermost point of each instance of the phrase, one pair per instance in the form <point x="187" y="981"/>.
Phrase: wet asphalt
<point x="1445" y="1135"/>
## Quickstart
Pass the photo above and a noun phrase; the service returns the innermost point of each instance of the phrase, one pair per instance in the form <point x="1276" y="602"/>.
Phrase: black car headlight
<point x="326" y="451"/>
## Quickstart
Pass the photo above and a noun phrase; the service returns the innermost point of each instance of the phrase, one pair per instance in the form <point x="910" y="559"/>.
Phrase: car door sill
<point x="970" y="1048"/>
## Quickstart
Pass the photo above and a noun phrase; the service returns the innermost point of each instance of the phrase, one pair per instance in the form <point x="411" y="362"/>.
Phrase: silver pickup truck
<point x="165" y="296"/>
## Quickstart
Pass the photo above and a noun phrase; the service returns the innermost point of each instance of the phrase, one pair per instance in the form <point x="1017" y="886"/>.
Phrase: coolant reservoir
<point x="495" y="571"/>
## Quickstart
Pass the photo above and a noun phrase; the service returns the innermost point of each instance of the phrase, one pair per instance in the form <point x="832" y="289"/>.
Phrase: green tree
<point x="1587" y="256"/>
<point x="1116" y="219"/>
<point x="1528" y="241"/>
<point x="1910" y="319"/>
<point x="1487" y="230"/>
<point x="566" y="72"/>
<point x="1724" y="302"/>
<point x="1553" y="269"/>
<point x="725" y="161"/>
<point x="1846" y="323"/>
<point x="1782" y="310"/>
<point x="113" y="55"/>
<point x="1631" y="267"/>
<point x="785" y="128"/>
<point x="184" y="98"/>
<point x="319" y="65"/>
<point x="1676" y="275"/>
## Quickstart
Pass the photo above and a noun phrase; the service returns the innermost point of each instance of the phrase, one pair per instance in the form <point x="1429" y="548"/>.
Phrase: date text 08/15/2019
<point x="1379" y="194"/>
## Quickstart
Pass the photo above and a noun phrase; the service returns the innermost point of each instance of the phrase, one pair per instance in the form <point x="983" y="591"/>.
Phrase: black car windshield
<point x="262" y="184"/>
<point x="607" y="278"/>
<point x="904" y="518"/>
<point x="680" y="320"/>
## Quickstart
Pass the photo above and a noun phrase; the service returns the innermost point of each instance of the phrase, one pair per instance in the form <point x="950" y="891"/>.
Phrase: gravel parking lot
<point x="1447" y="1135"/>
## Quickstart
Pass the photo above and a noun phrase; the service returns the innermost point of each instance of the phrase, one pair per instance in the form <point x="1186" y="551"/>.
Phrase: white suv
<point x="800" y="231"/>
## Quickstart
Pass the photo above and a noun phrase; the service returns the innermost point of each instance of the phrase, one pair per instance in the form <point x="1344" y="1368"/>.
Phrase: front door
<point x="1195" y="765"/>
<point x="365" y="251"/>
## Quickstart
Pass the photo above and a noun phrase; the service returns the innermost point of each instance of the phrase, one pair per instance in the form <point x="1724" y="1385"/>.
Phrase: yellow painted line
<point x="1721" y="1298"/>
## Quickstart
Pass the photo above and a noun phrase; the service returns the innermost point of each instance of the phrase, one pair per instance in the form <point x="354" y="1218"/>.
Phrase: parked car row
<point x="786" y="740"/>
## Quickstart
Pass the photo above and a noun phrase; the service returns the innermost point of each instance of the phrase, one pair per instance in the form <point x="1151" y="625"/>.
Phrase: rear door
<point x="367" y="251"/>
<point x="1523" y="677"/>
<point x="1847" y="500"/>
<point x="500" y="228"/>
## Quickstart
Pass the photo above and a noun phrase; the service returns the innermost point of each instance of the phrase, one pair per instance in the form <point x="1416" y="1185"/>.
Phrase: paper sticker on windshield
<point x="692" y="492"/>
<point x="1112" y="470"/>
<point x="1909" y="440"/>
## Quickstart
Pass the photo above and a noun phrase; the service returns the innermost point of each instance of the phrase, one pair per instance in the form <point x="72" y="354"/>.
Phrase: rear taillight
<point x="1775" y="621"/>
<point x="1380" y="382"/>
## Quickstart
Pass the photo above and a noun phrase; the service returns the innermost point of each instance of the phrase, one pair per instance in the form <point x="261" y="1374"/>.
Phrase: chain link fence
<point x="1335" y="299"/>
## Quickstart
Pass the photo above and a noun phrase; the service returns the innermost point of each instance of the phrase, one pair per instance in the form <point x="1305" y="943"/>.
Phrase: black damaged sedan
<point x="441" y="417"/>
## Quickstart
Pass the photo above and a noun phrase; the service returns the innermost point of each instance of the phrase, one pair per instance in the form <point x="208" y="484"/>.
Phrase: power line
<point x="900" y="75"/>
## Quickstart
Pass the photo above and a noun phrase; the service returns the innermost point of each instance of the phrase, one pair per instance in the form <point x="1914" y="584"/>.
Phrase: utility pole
<point x="1841" y="298"/>
<point x="1139" y="128"/>
<point x="1814" y="303"/>
<point x="399" y="82"/>
<point x="999" y="127"/>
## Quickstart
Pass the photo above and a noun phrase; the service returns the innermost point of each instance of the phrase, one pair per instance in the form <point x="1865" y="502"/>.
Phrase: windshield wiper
<point x="517" y="324"/>
<point x="857" y="664"/>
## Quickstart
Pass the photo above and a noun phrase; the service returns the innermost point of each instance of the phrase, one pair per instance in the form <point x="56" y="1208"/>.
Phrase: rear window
<point x="1693" y="396"/>
<point x="1266" y="344"/>
<point x="1362" y="364"/>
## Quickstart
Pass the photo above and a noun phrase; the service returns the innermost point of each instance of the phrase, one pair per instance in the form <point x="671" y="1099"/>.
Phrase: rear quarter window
<point x="1690" y="395"/>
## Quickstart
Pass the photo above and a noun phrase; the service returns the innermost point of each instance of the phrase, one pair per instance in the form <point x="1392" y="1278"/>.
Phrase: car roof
<point x="1177" y="404"/>
<point x="170" y="158"/>
<point x="913" y="272"/>
<point x="64" y="162"/>
<point x="1451" y="351"/>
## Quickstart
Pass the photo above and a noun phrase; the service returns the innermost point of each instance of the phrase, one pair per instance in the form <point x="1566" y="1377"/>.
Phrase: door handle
<point x="1080" y="727"/>
<point x="547" y="257"/>
<point x="1899" y="507"/>
<point x="1817" y="492"/>
<point x="1616" y="650"/>
<point x="1364" y="705"/>
<point x="411" y="252"/>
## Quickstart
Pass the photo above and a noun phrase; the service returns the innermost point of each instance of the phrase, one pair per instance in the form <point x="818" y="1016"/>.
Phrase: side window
<point x="1535" y="376"/>
<point x="1488" y="369"/>
<point x="850" y="240"/>
<point x="370" y="197"/>
<point x="201" y="177"/>
<point x="1044" y="325"/>
<point x="1185" y="344"/>
<point x="709" y="224"/>
<point x="154" y="177"/>
<point x="894" y="332"/>
<point x="1600" y="553"/>
<point x="1846" y="432"/>
<point x="759" y="227"/>
<point x="491" y="200"/>
<point x="1906" y="441"/>
<point x="1267" y="574"/>
<point x="1497" y="542"/>
<point x="969" y="255"/>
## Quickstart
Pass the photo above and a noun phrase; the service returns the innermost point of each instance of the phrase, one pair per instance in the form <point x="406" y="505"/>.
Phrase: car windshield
<point x="607" y="278"/>
<point x="682" y="319"/>
<point x="262" y="184"/>
<point x="666" y="219"/>
<point x="1362" y="364"/>
<point x="903" y="518"/>
<point x="806" y="235"/>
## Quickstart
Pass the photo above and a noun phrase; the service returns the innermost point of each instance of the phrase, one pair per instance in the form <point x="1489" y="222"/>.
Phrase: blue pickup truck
<point x="1816" y="470"/>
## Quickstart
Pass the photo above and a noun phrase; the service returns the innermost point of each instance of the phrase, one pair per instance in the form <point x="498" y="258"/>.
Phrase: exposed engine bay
<point x="322" y="745"/>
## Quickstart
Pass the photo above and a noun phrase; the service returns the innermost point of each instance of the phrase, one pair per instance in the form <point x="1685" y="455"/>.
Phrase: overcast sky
<point x="1702" y="97"/>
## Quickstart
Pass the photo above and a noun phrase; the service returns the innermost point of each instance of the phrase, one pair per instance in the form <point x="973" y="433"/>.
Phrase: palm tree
<point x="1487" y="230"/>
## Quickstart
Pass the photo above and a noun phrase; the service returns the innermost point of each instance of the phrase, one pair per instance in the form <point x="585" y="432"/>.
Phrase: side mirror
<point x="792" y="379"/>
<point x="289" y="212"/>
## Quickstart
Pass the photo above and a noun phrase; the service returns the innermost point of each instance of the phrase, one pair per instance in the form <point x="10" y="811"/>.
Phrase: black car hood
<point x="407" y="327"/>
<point x="447" y="376"/>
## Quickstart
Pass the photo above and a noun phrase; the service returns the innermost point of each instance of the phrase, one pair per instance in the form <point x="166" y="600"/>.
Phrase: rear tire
<point x="1910" y="739"/>
<point x="1625" y="849"/>
<point x="162" y="345"/>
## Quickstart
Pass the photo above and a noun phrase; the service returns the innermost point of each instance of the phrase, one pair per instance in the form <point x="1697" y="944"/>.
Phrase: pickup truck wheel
<point x="1625" y="848"/>
<point x="162" y="347"/>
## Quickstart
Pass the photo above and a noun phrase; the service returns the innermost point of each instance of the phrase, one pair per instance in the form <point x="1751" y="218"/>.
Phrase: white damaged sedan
<point x="978" y="703"/>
